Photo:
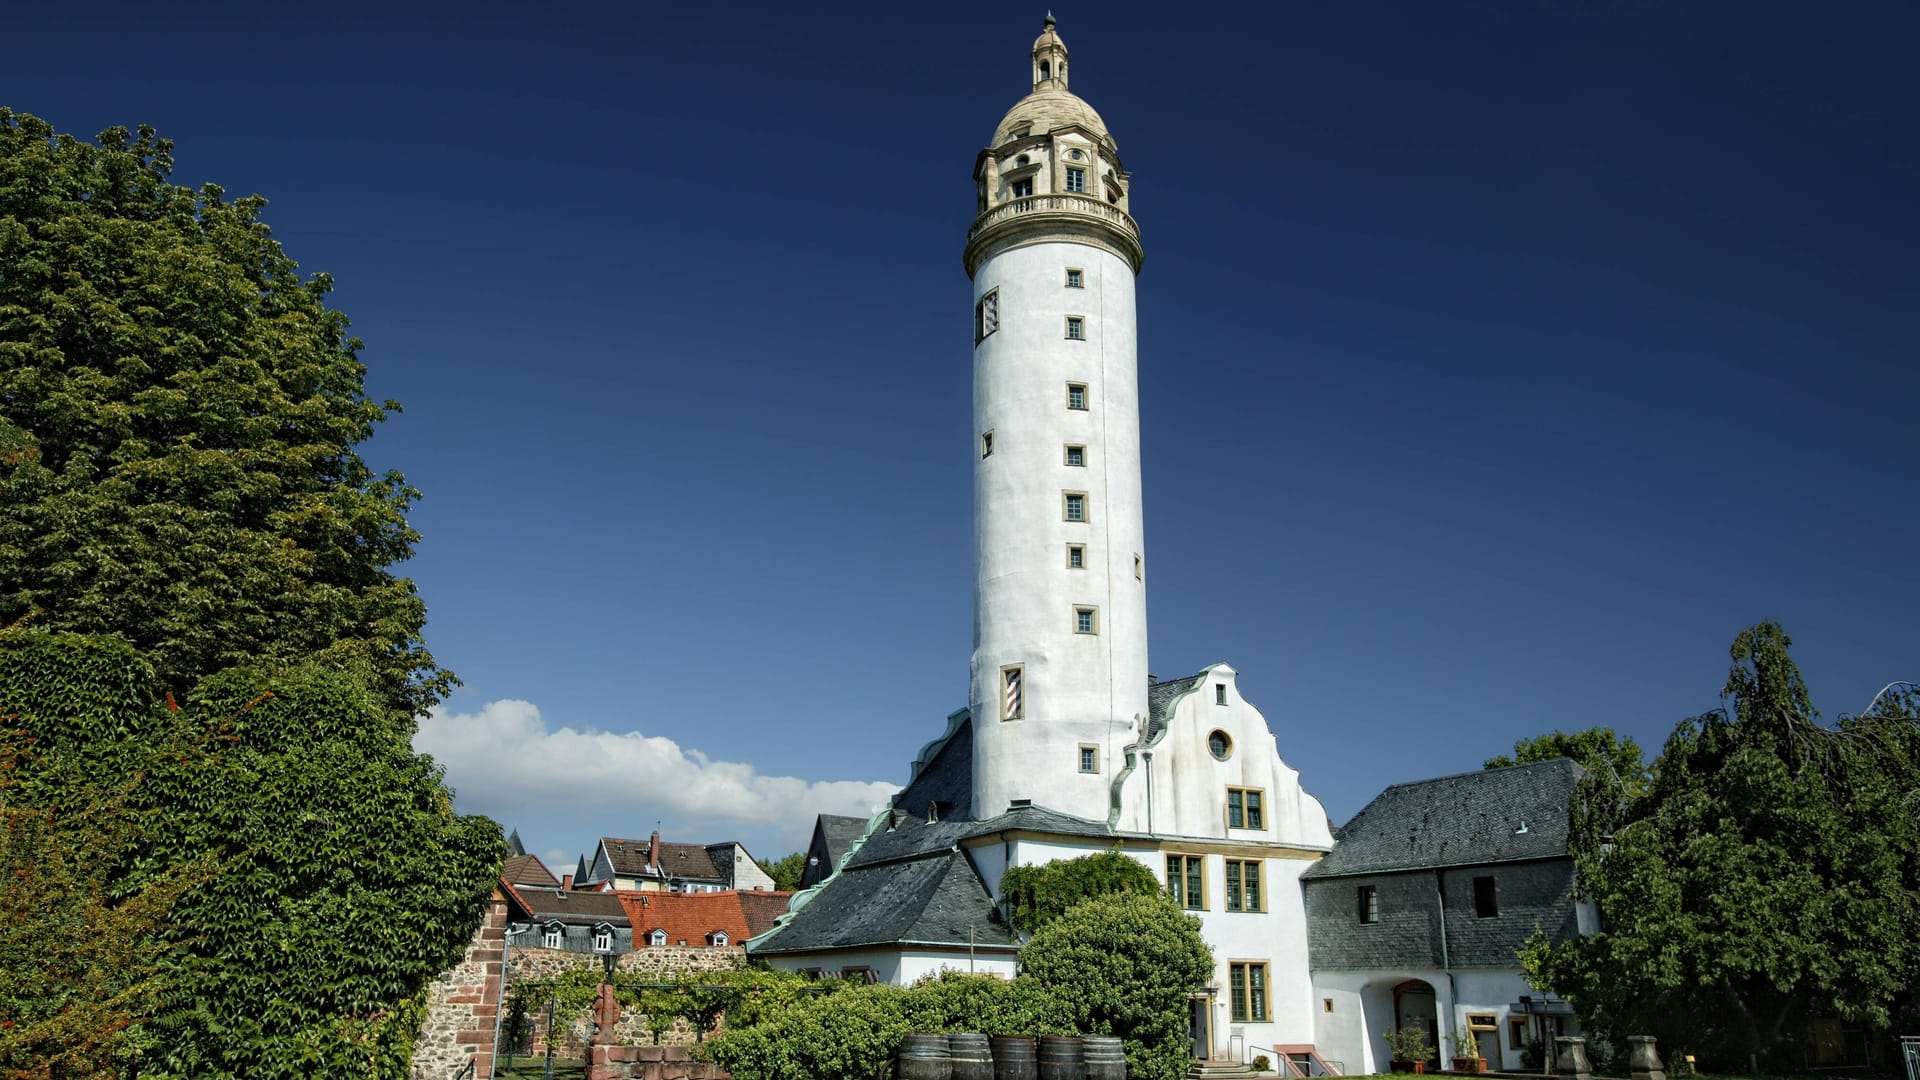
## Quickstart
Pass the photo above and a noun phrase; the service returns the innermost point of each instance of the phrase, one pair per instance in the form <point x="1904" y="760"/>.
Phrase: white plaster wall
<point x="1078" y="688"/>
<point x="1189" y="786"/>
<point x="898" y="968"/>
<point x="1363" y="1011"/>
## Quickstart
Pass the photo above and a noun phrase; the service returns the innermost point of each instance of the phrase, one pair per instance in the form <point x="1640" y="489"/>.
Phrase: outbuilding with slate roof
<point x="1416" y="917"/>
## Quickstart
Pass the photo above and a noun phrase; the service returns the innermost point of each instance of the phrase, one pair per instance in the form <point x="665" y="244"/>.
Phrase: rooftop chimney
<point x="653" y="852"/>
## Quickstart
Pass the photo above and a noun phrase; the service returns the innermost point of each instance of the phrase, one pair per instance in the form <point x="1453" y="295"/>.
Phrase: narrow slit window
<point x="1369" y="903"/>
<point x="986" y="316"/>
<point x="1012" y="694"/>
<point x="986" y="445"/>
<point x="1139" y="568"/>
<point x="1219" y="693"/>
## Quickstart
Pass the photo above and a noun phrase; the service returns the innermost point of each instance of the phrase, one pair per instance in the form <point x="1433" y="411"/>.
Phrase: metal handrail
<point x="1910" y="1049"/>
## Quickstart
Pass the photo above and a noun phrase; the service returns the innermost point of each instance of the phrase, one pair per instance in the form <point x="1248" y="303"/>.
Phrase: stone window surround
<point x="1086" y="615"/>
<point x="1237" y="896"/>
<point x="1066" y="508"/>
<point x="1184" y="898"/>
<point x="1072" y="550"/>
<point x="1253" y="803"/>
<point x="1089" y="758"/>
<point x="1242" y="1012"/>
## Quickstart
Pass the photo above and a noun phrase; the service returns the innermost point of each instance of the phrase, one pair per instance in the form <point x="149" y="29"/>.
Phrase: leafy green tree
<point x="343" y="881"/>
<point x="1037" y="895"/>
<point x="786" y="871"/>
<point x="1598" y="750"/>
<point x="179" y="411"/>
<point x="1770" y="873"/>
<point x="1123" y="964"/>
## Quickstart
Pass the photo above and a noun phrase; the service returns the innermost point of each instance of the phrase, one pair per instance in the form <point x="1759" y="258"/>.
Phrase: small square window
<point x="1486" y="899"/>
<point x="1077" y="181"/>
<point x="1086" y="620"/>
<point x="1076" y="556"/>
<point x="986" y="316"/>
<point x="1023" y="187"/>
<point x="1077" y="396"/>
<point x="1089" y="758"/>
<point x="1076" y="328"/>
<point x="1369" y="900"/>
<point x="1074" y="508"/>
<point x="1077" y="456"/>
<point x="1073" y="278"/>
<point x="1220" y="693"/>
<point x="986" y="445"/>
<point x="1012" y="698"/>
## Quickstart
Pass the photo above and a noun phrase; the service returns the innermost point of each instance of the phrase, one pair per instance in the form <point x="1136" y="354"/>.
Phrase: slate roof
<point x="686" y="861"/>
<point x="933" y="898"/>
<point x="689" y="918"/>
<point x="908" y="882"/>
<point x="945" y="778"/>
<point x="558" y="905"/>
<point x="524" y="869"/>
<point x="1160" y="697"/>
<point x="840" y="832"/>
<point x="1459" y="820"/>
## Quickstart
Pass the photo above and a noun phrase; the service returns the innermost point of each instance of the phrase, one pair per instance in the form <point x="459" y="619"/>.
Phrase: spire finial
<point x="1049" y="23"/>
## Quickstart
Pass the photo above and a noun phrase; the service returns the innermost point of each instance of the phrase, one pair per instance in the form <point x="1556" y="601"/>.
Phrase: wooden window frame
<point x="1241" y="1011"/>
<point x="1182" y="897"/>
<point x="1250" y="808"/>
<point x="1237" y="894"/>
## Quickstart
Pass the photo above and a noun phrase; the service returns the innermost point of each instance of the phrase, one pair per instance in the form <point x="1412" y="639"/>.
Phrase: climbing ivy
<point x="340" y="880"/>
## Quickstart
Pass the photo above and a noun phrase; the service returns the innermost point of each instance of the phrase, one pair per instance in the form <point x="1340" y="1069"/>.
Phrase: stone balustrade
<point x="1054" y="203"/>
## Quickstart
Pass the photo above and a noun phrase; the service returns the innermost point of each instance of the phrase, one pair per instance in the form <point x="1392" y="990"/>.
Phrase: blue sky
<point x="1500" y="361"/>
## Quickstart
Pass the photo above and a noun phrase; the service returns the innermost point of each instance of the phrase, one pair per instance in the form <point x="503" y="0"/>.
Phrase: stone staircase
<point x="1222" y="1070"/>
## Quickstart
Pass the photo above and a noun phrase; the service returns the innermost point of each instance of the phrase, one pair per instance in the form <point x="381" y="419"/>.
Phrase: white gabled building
<point x="1068" y="746"/>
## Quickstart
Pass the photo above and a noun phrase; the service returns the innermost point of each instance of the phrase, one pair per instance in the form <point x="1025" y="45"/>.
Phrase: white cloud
<point x="503" y="761"/>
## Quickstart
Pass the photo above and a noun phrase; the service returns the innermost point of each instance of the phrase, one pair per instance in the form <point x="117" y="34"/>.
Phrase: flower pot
<point x="1415" y="1067"/>
<point x="1473" y="1065"/>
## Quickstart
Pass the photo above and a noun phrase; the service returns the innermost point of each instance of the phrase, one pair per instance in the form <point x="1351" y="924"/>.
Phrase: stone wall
<point x="462" y="1005"/>
<point x="527" y="964"/>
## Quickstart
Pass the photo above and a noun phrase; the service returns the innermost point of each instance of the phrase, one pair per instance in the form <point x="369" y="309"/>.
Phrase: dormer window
<point x="553" y="936"/>
<point x="603" y="938"/>
<point x="657" y="939"/>
<point x="718" y="938"/>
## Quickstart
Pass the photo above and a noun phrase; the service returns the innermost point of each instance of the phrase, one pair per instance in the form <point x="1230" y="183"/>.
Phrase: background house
<point x="657" y="865"/>
<point x="1416" y="916"/>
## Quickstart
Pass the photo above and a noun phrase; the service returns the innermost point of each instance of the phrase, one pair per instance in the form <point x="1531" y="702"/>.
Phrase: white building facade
<point x="1068" y="746"/>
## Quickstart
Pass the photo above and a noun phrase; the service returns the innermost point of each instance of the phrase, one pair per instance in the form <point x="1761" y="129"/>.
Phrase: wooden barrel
<point x="972" y="1059"/>
<point x="1106" y="1058"/>
<point x="1061" y="1058"/>
<point x="1013" y="1058"/>
<point x="923" y="1057"/>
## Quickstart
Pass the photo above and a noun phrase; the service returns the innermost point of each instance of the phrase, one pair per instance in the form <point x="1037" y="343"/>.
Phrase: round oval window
<point x="1075" y="155"/>
<point x="1220" y="746"/>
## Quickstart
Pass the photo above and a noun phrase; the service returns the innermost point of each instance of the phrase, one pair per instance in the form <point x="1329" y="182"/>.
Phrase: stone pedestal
<point x="1645" y="1058"/>
<point x="1570" y="1058"/>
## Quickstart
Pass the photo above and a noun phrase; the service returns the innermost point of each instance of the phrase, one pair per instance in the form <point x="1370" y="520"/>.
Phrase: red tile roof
<point x="690" y="918"/>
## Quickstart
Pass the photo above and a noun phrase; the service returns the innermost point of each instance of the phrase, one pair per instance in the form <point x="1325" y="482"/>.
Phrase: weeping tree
<point x="1770" y="872"/>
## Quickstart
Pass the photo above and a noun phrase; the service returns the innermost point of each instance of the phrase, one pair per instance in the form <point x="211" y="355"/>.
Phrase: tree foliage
<point x="786" y="871"/>
<point x="341" y="880"/>
<point x="178" y="416"/>
<point x="77" y="964"/>
<point x="1123" y="964"/>
<point x="1617" y="760"/>
<point x="1037" y="895"/>
<point x="1769" y="874"/>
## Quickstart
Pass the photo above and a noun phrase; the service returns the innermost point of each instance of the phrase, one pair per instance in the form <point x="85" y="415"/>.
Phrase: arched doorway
<point x="1416" y="1006"/>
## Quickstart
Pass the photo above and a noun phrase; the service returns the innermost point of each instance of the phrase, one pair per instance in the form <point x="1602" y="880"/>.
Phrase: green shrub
<point x="1124" y="965"/>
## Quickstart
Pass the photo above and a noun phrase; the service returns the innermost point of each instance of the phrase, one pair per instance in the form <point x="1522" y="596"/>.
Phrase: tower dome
<point x="1052" y="170"/>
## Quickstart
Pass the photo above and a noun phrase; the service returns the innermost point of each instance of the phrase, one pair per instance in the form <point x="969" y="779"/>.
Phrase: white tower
<point x="1059" y="679"/>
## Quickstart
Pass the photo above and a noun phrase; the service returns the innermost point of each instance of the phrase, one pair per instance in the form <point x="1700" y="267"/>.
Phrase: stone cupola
<point x="1052" y="171"/>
